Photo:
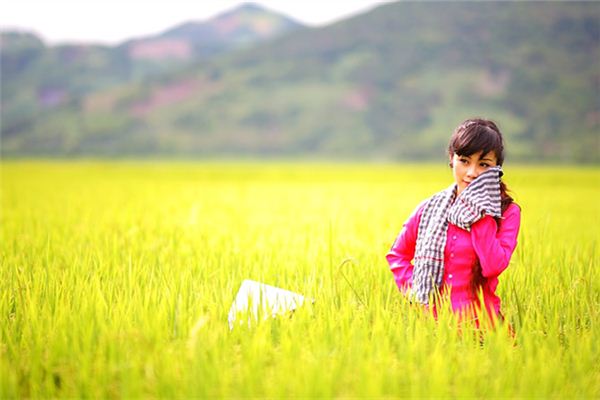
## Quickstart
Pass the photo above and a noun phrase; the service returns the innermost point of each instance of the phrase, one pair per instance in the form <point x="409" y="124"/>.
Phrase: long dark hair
<point x="472" y="136"/>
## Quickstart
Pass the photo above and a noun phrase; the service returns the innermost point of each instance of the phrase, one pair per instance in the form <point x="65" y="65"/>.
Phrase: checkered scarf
<point x="481" y="197"/>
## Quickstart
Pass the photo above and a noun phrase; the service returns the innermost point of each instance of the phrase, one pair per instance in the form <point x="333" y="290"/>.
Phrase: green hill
<point x="47" y="89"/>
<point x="391" y="83"/>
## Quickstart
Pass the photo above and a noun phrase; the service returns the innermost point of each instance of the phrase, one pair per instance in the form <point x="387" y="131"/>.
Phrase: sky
<point x="113" y="21"/>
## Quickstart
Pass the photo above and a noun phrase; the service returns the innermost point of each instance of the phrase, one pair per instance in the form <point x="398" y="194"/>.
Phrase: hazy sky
<point x="111" y="21"/>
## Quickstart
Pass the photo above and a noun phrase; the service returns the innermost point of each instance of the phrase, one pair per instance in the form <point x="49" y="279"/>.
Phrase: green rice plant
<point x="116" y="279"/>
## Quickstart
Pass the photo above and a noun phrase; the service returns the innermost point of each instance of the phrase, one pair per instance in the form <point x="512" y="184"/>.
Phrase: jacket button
<point x="450" y="276"/>
<point x="454" y="237"/>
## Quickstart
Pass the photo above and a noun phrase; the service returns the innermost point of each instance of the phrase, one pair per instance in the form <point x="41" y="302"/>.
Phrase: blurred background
<point x="383" y="81"/>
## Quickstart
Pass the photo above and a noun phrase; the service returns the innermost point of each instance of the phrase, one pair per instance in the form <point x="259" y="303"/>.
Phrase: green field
<point x="116" y="279"/>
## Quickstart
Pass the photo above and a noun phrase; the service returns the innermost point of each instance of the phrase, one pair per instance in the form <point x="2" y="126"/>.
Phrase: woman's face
<point x="467" y="168"/>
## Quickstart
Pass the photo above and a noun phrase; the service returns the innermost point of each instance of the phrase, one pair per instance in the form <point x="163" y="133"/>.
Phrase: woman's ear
<point x="450" y="164"/>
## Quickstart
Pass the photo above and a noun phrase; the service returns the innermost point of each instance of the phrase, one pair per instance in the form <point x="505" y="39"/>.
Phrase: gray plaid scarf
<point x="481" y="197"/>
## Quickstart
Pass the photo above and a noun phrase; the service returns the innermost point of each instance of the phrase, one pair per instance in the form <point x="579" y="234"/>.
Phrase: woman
<point x="460" y="240"/>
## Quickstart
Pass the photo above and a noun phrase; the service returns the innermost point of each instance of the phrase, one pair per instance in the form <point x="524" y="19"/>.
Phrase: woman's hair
<point x="470" y="137"/>
<point x="475" y="135"/>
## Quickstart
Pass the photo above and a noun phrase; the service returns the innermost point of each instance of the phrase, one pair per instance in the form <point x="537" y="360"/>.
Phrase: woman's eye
<point x="484" y="165"/>
<point x="464" y="160"/>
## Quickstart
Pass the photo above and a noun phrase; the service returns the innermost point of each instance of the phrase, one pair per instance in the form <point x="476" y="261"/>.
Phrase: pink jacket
<point x="492" y="245"/>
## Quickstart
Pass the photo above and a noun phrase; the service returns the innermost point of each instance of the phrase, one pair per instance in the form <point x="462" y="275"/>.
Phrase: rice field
<point x="116" y="279"/>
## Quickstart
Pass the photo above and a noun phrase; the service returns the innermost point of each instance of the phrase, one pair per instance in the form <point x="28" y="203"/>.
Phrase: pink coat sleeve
<point x="494" y="246"/>
<point x="402" y="252"/>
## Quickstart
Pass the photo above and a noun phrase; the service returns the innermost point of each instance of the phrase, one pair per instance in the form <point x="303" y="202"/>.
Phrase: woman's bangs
<point x="477" y="140"/>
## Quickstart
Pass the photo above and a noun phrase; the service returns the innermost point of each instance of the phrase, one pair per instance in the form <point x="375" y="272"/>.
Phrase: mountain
<point x="391" y="83"/>
<point x="40" y="81"/>
<point x="247" y="24"/>
<point x="192" y="41"/>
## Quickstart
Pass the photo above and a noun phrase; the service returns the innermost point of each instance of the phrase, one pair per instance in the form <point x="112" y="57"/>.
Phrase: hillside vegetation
<point x="391" y="83"/>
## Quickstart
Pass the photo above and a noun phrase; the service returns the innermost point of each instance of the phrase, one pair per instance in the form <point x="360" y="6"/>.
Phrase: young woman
<point x="457" y="242"/>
